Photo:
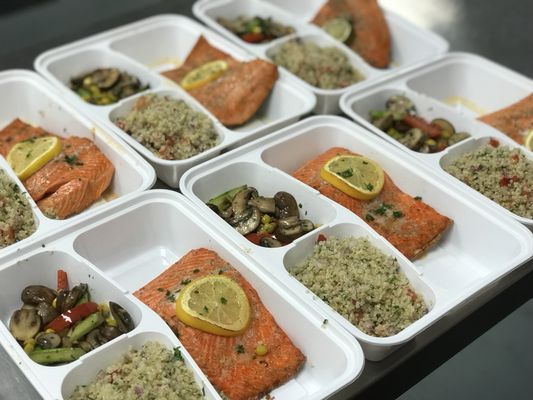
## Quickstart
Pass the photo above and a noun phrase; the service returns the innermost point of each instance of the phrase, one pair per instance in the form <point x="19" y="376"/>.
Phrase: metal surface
<point x="500" y="31"/>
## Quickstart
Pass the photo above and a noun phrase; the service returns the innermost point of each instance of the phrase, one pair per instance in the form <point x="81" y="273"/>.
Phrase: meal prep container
<point x="410" y="44"/>
<point x="153" y="45"/>
<point x="479" y="248"/>
<point x="127" y="245"/>
<point x="458" y="87"/>
<point x="26" y="95"/>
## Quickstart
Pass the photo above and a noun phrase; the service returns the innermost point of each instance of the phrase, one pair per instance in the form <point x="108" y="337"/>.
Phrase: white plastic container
<point x="478" y="249"/>
<point x="153" y="45"/>
<point x="126" y="246"/>
<point x="27" y="96"/>
<point x="458" y="87"/>
<point x="410" y="44"/>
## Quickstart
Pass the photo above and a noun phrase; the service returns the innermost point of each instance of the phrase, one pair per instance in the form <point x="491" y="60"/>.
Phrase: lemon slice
<point x="340" y="28"/>
<point x="204" y="74"/>
<point x="357" y="176"/>
<point x="214" y="304"/>
<point x="528" y="141"/>
<point x="30" y="155"/>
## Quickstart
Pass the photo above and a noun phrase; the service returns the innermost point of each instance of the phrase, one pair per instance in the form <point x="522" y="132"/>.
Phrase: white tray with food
<point x="153" y="258"/>
<point x="301" y="202"/>
<point x="139" y="74"/>
<point x="58" y="166"/>
<point x="289" y="33"/>
<point x="464" y="116"/>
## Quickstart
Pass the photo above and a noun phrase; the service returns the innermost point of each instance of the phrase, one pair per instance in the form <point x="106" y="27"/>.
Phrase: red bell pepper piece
<point x="321" y="238"/>
<point x="252" y="37"/>
<point x="62" y="280"/>
<point x="72" y="316"/>
<point x="255" y="237"/>
<point x="433" y="131"/>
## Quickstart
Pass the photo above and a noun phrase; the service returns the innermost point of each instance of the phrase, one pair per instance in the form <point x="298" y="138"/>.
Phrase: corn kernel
<point x="111" y="322"/>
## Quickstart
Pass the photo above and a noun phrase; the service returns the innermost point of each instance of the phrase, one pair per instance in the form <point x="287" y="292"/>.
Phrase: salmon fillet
<point x="234" y="97"/>
<point x="514" y="120"/>
<point x="370" y="33"/>
<point x="415" y="227"/>
<point x="69" y="183"/>
<point x="239" y="375"/>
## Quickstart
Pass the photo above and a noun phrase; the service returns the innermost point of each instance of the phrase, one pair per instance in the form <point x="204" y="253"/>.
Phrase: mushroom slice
<point x="25" y="324"/>
<point x="105" y="78"/>
<point x="265" y="204"/>
<point x="249" y="225"/>
<point x="268" y="241"/>
<point x="236" y="219"/>
<point x="47" y="312"/>
<point x="123" y="318"/>
<point x="399" y="106"/>
<point x="35" y="294"/>
<point x="413" y="139"/>
<point x="240" y="201"/>
<point x="286" y="205"/>
<point x="110" y="332"/>
<point x="48" y="340"/>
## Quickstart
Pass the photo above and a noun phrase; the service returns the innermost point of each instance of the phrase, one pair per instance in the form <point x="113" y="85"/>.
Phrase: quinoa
<point x="168" y="127"/>
<point x="154" y="372"/>
<point x="361" y="283"/>
<point x="16" y="217"/>
<point x="503" y="174"/>
<point x="323" y="67"/>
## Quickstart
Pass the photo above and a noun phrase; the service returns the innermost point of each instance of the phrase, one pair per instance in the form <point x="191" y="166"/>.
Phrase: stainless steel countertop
<point x="500" y="31"/>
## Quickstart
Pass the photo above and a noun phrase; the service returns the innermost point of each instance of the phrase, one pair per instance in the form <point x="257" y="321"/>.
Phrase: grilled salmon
<point x="370" y="36"/>
<point x="406" y="222"/>
<point x="69" y="183"/>
<point x="235" y="96"/>
<point x="229" y="363"/>
<point x="515" y="121"/>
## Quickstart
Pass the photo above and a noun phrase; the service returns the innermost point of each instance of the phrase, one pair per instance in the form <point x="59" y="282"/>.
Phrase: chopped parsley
<point x="381" y="210"/>
<point x="369" y="186"/>
<point x="223" y="300"/>
<point x="369" y="217"/>
<point x="177" y="354"/>
<point x="205" y="309"/>
<point x="72" y="160"/>
<point x="170" y="296"/>
<point x="185" y="281"/>
<point x="195" y="271"/>
<point x="418" y="198"/>
<point x="397" y="214"/>
<point x="240" y="349"/>
<point x="160" y="289"/>
<point x="346" y="173"/>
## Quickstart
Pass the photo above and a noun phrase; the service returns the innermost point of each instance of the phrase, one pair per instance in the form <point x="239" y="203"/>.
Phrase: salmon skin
<point x="370" y="36"/>
<point x="229" y="363"/>
<point x="69" y="183"/>
<point x="406" y="222"/>
<point x="235" y="96"/>
<point x="514" y="120"/>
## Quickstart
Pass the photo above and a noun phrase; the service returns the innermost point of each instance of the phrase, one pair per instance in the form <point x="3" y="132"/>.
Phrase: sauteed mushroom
<point x="35" y="294"/>
<point x="249" y="225"/>
<point x="267" y="241"/>
<point x="399" y="106"/>
<point x="105" y="78"/>
<point x="123" y="318"/>
<point x="46" y="312"/>
<point x="48" y="340"/>
<point x="24" y="324"/>
<point x="265" y="204"/>
<point x="286" y="205"/>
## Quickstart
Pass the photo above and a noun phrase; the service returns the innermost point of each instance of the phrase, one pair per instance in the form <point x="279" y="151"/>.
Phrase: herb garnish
<point x="418" y="198"/>
<point x="369" y="186"/>
<point x="72" y="160"/>
<point x="369" y="217"/>
<point x="397" y="214"/>
<point x="177" y="354"/>
<point x="240" y="349"/>
<point x="346" y="173"/>
<point x="223" y="300"/>
<point x="170" y="296"/>
<point x="185" y="281"/>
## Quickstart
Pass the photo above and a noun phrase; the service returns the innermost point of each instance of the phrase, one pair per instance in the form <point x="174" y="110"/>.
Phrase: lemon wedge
<point x="215" y="304"/>
<point x="204" y="74"/>
<point x="29" y="156"/>
<point x="357" y="176"/>
<point x="528" y="141"/>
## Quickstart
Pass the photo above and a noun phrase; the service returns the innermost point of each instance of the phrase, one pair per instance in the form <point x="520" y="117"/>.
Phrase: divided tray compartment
<point x="131" y="48"/>
<point x="28" y="97"/>
<point x="125" y="247"/>
<point x="299" y="16"/>
<point x="452" y="273"/>
<point x="458" y="87"/>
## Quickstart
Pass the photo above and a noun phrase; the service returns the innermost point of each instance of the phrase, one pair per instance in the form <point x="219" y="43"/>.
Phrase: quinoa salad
<point x="16" y="217"/>
<point x="323" y="67"/>
<point x="151" y="373"/>
<point x="362" y="284"/>
<point x="503" y="174"/>
<point x="168" y="127"/>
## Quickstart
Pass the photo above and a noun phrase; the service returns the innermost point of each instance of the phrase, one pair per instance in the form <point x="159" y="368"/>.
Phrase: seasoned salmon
<point x="370" y="36"/>
<point x="235" y="96"/>
<point x="515" y="121"/>
<point x="229" y="363"/>
<point x="69" y="183"/>
<point x="407" y="223"/>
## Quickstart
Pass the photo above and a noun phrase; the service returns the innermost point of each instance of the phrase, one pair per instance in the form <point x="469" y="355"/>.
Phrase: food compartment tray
<point x="452" y="273"/>
<point x="119" y="258"/>
<point x="459" y="87"/>
<point x="298" y="15"/>
<point x="131" y="48"/>
<point x="27" y="96"/>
